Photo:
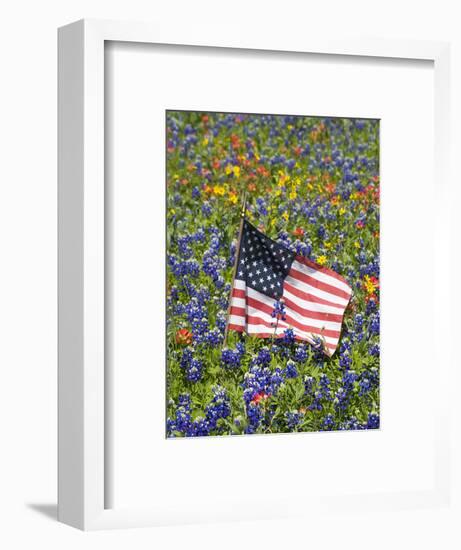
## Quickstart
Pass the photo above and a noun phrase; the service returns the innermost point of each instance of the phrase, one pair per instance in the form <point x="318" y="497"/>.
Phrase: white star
<point x="264" y="288"/>
<point x="258" y="272"/>
<point x="265" y="268"/>
<point x="268" y="277"/>
<point x="272" y="285"/>
<point x="250" y="274"/>
<point x="240" y="273"/>
<point x="253" y="283"/>
<point x="278" y="283"/>
<point x="255" y="263"/>
<point x="261" y="280"/>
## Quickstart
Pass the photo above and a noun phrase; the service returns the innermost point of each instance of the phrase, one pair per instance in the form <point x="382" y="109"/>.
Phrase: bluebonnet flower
<point x="214" y="337"/>
<point x="374" y="324"/>
<point x="291" y="371"/>
<point x="373" y="350"/>
<point x="254" y="415"/>
<point x="264" y="356"/>
<point x="293" y="419"/>
<point x="301" y="353"/>
<point x="328" y="422"/>
<point x="195" y="370"/>
<point x="218" y="408"/>
<point x="309" y="385"/>
<point x="279" y="310"/>
<point x="230" y="359"/>
<point x="288" y="336"/>
<point x="345" y="360"/>
<point x="373" y="421"/>
<point x="206" y="209"/>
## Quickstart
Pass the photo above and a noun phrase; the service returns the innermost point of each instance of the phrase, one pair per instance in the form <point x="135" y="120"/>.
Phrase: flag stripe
<point x="322" y="274"/>
<point x="321" y="269"/>
<point x="333" y="299"/>
<point x="311" y="313"/>
<point x="305" y="296"/>
<point x="298" y="272"/>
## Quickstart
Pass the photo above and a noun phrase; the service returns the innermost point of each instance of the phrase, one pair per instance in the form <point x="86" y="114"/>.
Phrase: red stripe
<point x="238" y="328"/>
<point x="238" y="293"/>
<point x="309" y="297"/>
<point x="321" y="316"/>
<point x="323" y="269"/>
<point x="293" y="322"/>
<point x="238" y="311"/>
<point x="318" y="284"/>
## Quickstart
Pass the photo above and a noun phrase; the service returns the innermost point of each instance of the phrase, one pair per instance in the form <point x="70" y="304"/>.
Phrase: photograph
<point x="272" y="274"/>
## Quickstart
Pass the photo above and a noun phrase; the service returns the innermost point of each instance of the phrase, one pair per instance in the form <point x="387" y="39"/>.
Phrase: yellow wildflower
<point x="233" y="197"/>
<point x="237" y="171"/>
<point x="322" y="260"/>
<point x="293" y="193"/>
<point x="357" y="244"/>
<point x="219" y="190"/>
<point x="285" y="216"/>
<point x="342" y="211"/>
<point x="205" y="141"/>
<point x="228" y="169"/>
<point x="370" y="284"/>
<point x="283" y="179"/>
<point x="327" y="245"/>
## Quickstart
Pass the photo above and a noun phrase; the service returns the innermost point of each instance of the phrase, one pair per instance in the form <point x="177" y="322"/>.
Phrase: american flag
<point x="314" y="297"/>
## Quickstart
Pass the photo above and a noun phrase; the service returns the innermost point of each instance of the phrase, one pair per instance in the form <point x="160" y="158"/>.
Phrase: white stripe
<point x="321" y="276"/>
<point x="316" y="292"/>
<point x="238" y="302"/>
<point x="240" y="285"/>
<point x="237" y="320"/>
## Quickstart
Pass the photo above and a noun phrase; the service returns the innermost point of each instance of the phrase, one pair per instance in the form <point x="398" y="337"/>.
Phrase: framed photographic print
<point x="238" y="293"/>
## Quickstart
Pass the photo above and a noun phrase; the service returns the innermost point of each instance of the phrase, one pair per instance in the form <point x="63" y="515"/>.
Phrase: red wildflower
<point x="298" y="232"/>
<point x="259" y="397"/>
<point x="184" y="337"/>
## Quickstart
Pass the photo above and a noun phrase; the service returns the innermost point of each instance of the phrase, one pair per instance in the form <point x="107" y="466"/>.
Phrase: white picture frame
<point x="82" y="490"/>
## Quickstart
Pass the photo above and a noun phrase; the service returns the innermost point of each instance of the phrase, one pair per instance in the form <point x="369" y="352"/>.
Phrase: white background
<point x="28" y="276"/>
<point x="291" y="472"/>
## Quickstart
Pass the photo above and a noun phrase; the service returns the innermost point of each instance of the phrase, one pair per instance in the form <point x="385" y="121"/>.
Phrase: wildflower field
<point x="312" y="185"/>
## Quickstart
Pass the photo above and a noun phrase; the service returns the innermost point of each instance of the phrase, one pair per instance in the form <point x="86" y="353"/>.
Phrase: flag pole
<point x="234" y="271"/>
